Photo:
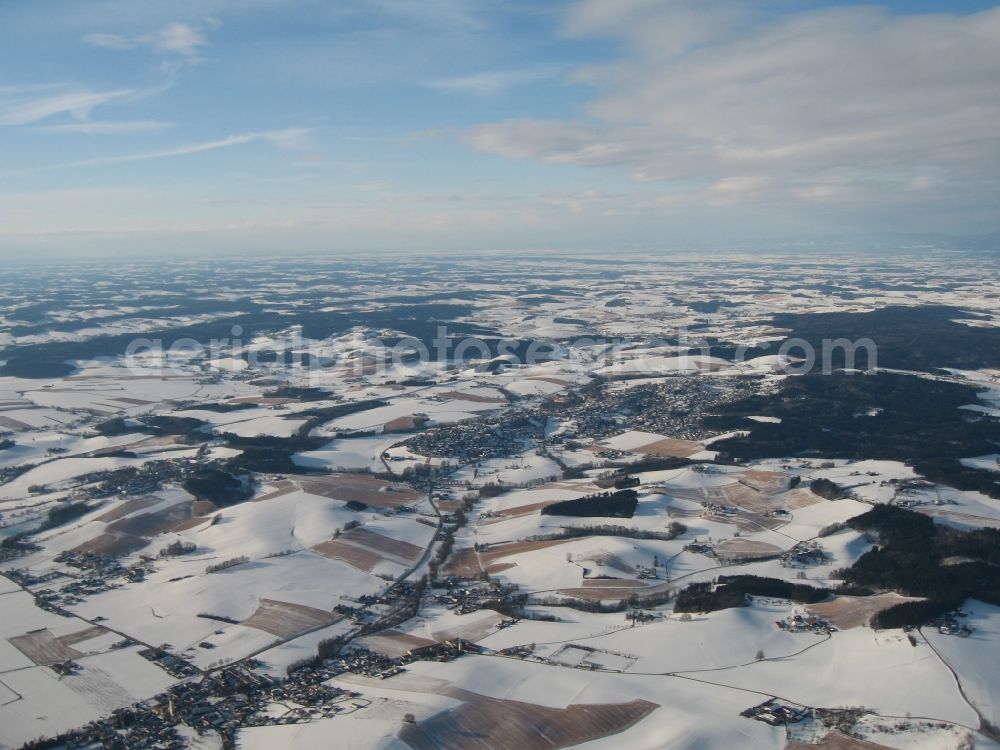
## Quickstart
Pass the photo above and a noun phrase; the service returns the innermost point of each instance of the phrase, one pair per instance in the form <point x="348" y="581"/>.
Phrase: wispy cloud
<point x="836" y="103"/>
<point x="289" y="139"/>
<point x="108" y="127"/>
<point x="177" y="39"/>
<point x="18" y="110"/>
<point x="495" y="81"/>
<point x="110" y="41"/>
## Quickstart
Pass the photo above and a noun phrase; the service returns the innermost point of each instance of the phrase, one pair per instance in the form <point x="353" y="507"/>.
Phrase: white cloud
<point x="657" y="27"/>
<point x="109" y="41"/>
<point x="733" y="187"/>
<point x="814" y="105"/>
<point x="494" y="81"/>
<point x="108" y="127"/>
<point x="18" y="110"/>
<point x="290" y="138"/>
<point x="179" y="39"/>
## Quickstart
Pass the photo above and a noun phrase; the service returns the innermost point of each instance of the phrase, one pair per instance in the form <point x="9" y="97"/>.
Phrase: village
<point x="238" y="697"/>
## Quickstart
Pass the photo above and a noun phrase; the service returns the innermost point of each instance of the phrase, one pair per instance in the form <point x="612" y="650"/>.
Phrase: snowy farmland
<point x="648" y="537"/>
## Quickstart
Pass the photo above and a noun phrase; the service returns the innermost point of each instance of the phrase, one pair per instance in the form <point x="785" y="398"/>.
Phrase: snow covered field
<point x="241" y="514"/>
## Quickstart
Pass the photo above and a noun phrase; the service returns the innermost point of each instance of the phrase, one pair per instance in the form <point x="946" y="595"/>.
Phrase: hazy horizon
<point x="293" y="126"/>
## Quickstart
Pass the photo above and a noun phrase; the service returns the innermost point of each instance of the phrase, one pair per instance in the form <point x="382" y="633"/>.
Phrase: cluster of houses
<point x="639" y="616"/>
<point x="363" y="661"/>
<point x="380" y="611"/>
<point x="95" y="582"/>
<point x="463" y="597"/>
<point x="700" y="548"/>
<point x="522" y="651"/>
<point x="239" y="696"/>
<point x="170" y="663"/>
<point x="13" y="547"/>
<point x="612" y="454"/>
<point x="647" y="574"/>
<point x="480" y="439"/>
<point x="235" y="697"/>
<point x="65" y="668"/>
<point x="717" y="509"/>
<point x="100" y="573"/>
<point x="776" y="713"/>
<point x="357" y="615"/>
<point x="125" y="729"/>
<point x="136" y="480"/>
<point x="804" y="554"/>
<point x="951" y="624"/>
<point x="673" y="407"/>
<point x="27" y="578"/>
<point x="9" y="472"/>
<point x="398" y="592"/>
<point x="804" y="622"/>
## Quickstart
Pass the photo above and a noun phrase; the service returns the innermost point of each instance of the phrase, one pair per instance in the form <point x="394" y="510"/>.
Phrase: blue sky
<point x="481" y="125"/>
